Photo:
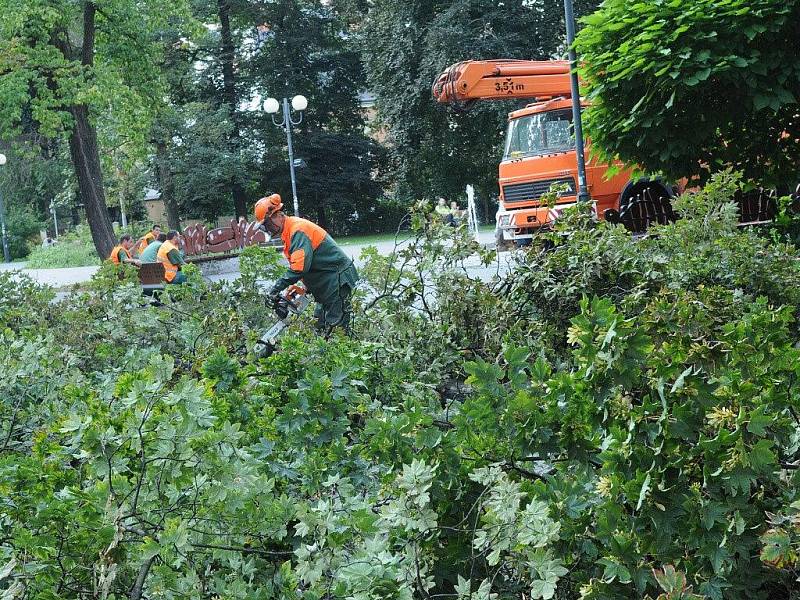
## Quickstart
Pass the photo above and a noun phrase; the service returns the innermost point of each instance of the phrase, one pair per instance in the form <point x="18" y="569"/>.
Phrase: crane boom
<point x="502" y="80"/>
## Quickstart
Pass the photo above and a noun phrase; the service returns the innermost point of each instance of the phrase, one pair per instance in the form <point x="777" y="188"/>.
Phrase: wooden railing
<point x="199" y="240"/>
<point x="756" y="207"/>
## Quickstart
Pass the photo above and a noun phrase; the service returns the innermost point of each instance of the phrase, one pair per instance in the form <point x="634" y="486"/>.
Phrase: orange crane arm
<point x="502" y="80"/>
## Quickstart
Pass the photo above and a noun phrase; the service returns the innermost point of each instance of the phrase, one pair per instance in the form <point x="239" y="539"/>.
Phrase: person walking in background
<point x="150" y="254"/>
<point x="148" y="239"/>
<point x="121" y="253"/>
<point x="327" y="272"/>
<point x="443" y="211"/>
<point x="170" y="256"/>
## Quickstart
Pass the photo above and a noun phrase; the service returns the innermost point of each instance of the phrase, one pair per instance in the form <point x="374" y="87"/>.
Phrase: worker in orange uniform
<point x="170" y="256"/>
<point x="327" y="272"/>
<point x="121" y="253"/>
<point x="148" y="238"/>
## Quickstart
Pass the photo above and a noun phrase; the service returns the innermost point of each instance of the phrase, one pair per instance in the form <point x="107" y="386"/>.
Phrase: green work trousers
<point x="179" y="278"/>
<point x="336" y="312"/>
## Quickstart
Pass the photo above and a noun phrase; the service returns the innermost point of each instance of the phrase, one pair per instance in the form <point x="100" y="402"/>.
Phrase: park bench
<point x="151" y="276"/>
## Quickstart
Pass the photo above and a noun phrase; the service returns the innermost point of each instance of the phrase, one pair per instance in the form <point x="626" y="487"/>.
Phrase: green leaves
<point x="674" y="585"/>
<point x="628" y="406"/>
<point x="686" y="54"/>
<point x="614" y="571"/>
<point x="762" y="459"/>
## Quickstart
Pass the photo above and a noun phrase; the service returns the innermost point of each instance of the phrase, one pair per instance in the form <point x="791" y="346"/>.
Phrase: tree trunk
<point x="86" y="161"/>
<point x="83" y="148"/>
<point x="167" y="186"/>
<point x="228" y="57"/>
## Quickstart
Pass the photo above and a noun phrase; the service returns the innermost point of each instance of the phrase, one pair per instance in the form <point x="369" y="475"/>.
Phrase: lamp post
<point x="299" y="104"/>
<point x="55" y="216"/>
<point x="6" y="253"/>
<point x="569" y="17"/>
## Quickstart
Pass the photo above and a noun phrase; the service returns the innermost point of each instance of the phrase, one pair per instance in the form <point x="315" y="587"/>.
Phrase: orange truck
<point x="539" y="153"/>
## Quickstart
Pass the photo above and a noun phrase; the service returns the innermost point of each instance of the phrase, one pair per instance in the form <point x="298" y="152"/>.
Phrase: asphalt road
<point x="67" y="277"/>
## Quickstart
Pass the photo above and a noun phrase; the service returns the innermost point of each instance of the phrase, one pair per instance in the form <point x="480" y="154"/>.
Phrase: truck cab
<point x="539" y="156"/>
<point x="539" y="152"/>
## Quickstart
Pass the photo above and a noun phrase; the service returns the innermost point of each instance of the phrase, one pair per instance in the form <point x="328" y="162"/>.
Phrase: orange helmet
<point x="266" y="207"/>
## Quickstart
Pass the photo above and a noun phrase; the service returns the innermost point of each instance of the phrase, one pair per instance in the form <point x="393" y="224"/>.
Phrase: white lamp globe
<point x="271" y="106"/>
<point x="2" y="159"/>
<point x="299" y="102"/>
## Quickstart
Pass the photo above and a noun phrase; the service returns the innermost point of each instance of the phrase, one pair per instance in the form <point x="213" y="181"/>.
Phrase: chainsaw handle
<point x="294" y="290"/>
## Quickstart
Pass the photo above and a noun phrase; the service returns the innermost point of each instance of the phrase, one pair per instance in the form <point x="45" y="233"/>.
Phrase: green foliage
<point x="311" y="50"/>
<point x="21" y="298"/>
<point x="612" y="426"/>
<point x="202" y="173"/>
<point x="689" y="87"/>
<point x="307" y="50"/>
<point x="259" y="263"/>
<point x="342" y="181"/>
<point x="23" y="227"/>
<point x="408" y="44"/>
<point x="33" y="175"/>
<point x="48" y="77"/>
<point x="72" y="250"/>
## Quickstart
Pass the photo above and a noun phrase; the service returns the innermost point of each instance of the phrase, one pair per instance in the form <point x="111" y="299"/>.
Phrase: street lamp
<point x="6" y="253"/>
<point x="272" y="107"/>
<point x="569" y="17"/>
<point x="55" y="216"/>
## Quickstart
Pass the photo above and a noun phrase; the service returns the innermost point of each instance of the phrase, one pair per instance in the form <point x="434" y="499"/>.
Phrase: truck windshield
<point x="542" y="133"/>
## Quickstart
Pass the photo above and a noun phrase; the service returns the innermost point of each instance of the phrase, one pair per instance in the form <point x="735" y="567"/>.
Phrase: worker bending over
<point x="121" y="253"/>
<point x="327" y="272"/>
<point x="170" y="256"/>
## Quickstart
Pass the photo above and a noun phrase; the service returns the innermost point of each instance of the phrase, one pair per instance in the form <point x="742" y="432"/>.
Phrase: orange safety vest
<point x="148" y="237"/>
<point x="170" y="270"/>
<point x="314" y="232"/>
<point x="115" y="253"/>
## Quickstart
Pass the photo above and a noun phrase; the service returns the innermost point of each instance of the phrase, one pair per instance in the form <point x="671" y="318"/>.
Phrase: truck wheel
<point x="758" y="205"/>
<point x="643" y="204"/>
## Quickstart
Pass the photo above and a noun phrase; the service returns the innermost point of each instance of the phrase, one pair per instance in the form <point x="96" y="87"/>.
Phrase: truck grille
<point x="525" y="192"/>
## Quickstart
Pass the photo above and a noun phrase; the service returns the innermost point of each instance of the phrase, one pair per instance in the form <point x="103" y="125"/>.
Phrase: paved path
<point x="58" y="278"/>
<point x="64" y="278"/>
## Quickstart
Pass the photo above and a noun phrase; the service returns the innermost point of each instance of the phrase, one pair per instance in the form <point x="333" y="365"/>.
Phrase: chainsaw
<point x="286" y="305"/>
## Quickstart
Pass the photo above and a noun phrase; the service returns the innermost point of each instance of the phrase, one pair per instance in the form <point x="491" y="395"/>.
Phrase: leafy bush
<point x="612" y="419"/>
<point x="71" y="250"/>
<point x="691" y="86"/>
<point x="23" y="226"/>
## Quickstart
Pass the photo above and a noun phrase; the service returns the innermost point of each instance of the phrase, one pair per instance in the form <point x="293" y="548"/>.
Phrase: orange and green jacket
<point x="169" y="255"/>
<point x="316" y="259"/>
<point x="145" y="241"/>
<point x="119" y="254"/>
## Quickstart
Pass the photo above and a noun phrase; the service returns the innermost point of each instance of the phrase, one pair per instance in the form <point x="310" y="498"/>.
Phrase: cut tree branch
<point x="136" y="591"/>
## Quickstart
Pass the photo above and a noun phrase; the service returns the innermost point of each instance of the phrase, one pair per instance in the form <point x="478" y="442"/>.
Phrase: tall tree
<point x="230" y="94"/>
<point x="204" y="121"/>
<point x="309" y="50"/>
<point x="687" y="87"/>
<point x="64" y="62"/>
<point x="254" y="50"/>
<point x="407" y="44"/>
